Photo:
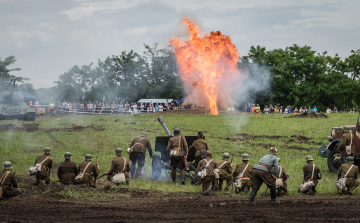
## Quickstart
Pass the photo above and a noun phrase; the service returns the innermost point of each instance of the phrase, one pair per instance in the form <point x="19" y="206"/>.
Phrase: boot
<point x="273" y="194"/>
<point x="252" y="196"/>
<point x="350" y="191"/>
<point x="173" y="180"/>
<point x="207" y="192"/>
<point x="285" y="190"/>
<point x="314" y="189"/>
<point x="226" y="188"/>
<point x="343" y="191"/>
<point x="278" y="192"/>
<point x="246" y="189"/>
<point x="183" y="180"/>
<point x="311" y="192"/>
<point x="127" y="182"/>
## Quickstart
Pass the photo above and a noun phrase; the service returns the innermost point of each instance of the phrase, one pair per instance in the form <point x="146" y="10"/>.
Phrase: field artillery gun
<point x="334" y="157"/>
<point x="13" y="106"/>
<point x="162" y="160"/>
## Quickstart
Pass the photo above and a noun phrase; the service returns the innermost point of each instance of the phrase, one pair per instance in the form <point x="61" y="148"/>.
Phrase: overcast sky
<point x="48" y="37"/>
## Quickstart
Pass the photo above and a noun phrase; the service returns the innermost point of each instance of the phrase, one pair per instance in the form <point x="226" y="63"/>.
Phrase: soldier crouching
<point x="209" y="164"/>
<point x="311" y="173"/>
<point x="119" y="165"/>
<point x="67" y="170"/>
<point x="225" y="169"/>
<point x="351" y="172"/>
<point x="8" y="182"/>
<point x="46" y="164"/>
<point x="246" y="169"/>
<point x="87" y="168"/>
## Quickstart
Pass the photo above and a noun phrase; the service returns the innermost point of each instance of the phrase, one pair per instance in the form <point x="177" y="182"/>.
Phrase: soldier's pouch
<point x="79" y="178"/>
<point x="44" y="171"/>
<point x="238" y="181"/>
<point x="278" y="183"/>
<point x="175" y="152"/>
<point x="118" y="178"/>
<point x="348" y="150"/>
<point x="202" y="154"/>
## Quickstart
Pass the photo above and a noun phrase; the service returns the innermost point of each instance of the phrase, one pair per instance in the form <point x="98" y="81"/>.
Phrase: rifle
<point x="101" y="176"/>
<point x="197" y="183"/>
<point x="232" y="185"/>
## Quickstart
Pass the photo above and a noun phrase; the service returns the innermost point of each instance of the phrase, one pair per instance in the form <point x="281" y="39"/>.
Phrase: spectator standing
<point x="257" y="108"/>
<point x="347" y="109"/>
<point x="281" y="109"/>
<point x="290" y="109"/>
<point x="248" y="108"/>
<point x="266" y="110"/>
<point x="296" y="110"/>
<point x="36" y="106"/>
<point x="353" y="110"/>
<point x="328" y="110"/>
<point x="286" y="110"/>
<point x="277" y="110"/>
<point x="314" y="109"/>
<point x="161" y="108"/>
<point x="157" y="107"/>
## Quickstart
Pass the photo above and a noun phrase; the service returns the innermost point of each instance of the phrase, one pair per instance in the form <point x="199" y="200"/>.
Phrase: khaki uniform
<point x="138" y="153"/>
<point x="67" y="172"/>
<point x="117" y="166"/>
<point x="247" y="174"/>
<point x="45" y="168"/>
<point x="307" y="169"/>
<point x="199" y="145"/>
<point x="352" y="176"/>
<point x="90" y="174"/>
<point x="345" y="141"/>
<point x="10" y="185"/>
<point x="210" y="177"/>
<point x="176" y="142"/>
<point x="225" y="173"/>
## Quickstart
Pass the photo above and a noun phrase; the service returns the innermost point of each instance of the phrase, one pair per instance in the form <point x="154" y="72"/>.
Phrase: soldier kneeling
<point x="46" y="162"/>
<point x="350" y="172"/>
<point x="119" y="165"/>
<point x="67" y="170"/>
<point x="225" y="169"/>
<point x="311" y="173"/>
<point x="8" y="182"/>
<point x="242" y="174"/>
<point x="86" y="168"/>
<point x="208" y="165"/>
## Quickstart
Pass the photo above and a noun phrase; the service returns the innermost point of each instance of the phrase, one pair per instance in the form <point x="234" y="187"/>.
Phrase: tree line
<point x="299" y="76"/>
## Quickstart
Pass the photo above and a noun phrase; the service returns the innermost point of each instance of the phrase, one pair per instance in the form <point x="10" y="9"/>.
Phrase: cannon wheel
<point x="333" y="165"/>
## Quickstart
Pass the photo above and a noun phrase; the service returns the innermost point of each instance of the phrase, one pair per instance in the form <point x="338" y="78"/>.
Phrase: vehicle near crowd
<point x="334" y="159"/>
<point x="162" y="161"/>
<point x="13" y="106"/>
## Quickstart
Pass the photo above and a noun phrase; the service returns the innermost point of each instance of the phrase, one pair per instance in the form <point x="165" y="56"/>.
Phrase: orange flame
<point x="207" y="64"/>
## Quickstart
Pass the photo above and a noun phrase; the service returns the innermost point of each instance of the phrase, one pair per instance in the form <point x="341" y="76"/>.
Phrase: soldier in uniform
<point x="67" y="170"/>
<point x="308" y="172"/>
<point x="225" y="171"/>
<point x="351" y="178"/>
<point x="89" y="179"/>
<point x="281" y="175"/>
<point x="117" y="166"/>
<point x="200" y="145"/>
<point x="178" y="143"/>
<point x="346" y="141"/>
<point x="138" y="150"/>
<point x="8" y="181"/>
<point x="261" y="174"/>
<point x="209" y="164"/>
<point x="47" y="163"/>
<point x="246" y="179"/>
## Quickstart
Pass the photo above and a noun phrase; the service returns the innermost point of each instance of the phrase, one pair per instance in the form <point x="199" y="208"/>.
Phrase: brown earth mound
<point x="35" y="127"/>
<point x="8" y="128"/>
<point x="45" y="203"/>
<point x="308" y="115"/>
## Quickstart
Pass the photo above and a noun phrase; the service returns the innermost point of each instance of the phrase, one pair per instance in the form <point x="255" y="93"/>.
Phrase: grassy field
<point x="222" y="133"/>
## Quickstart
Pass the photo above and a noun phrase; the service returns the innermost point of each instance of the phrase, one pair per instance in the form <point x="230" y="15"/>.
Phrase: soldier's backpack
<point x="341" y="183"/>
<point x="238" y="180"/>
<point x="309" y="183"/>
<point x="279" y="181"/>
<point x="37" y="168"/>
<point x="175" y="152"/>
<point x="80" y="176"/>
<point x="348" y="148"/>
<point x="203" y="172"/>
<point x="130" y="150"/>
<point x="119" y="177"/>
<point x="2" y="180"/>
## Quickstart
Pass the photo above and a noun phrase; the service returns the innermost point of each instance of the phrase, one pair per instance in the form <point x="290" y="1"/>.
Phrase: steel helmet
<point x="309" y="158"/>
<point x="118" y="151"/>
<point x="176" y="131"/>
<point x="47" y="150"/>
<point x="272" y="150"/>
<point x="7" y="165"/>
<point x="67" y="155"/>
<point x="226" y="156"/>
<point x="88" y="157"/>
<point x="143" y="134"/>
<point x="245" y="156"/>
<point x="349" y="159"/>
<point x="346" y="128"/>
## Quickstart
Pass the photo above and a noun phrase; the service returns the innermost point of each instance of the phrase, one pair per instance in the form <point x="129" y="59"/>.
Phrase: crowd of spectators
<point x="289" y="109"/>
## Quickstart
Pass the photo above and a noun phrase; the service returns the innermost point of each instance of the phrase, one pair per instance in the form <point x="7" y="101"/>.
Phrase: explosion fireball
<point x="208" y="66"/>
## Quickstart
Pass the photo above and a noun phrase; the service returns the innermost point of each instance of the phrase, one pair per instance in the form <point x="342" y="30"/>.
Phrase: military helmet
<point x="67" y="155"/>
<point x="272" y="150"/>
<point x="118" y="151"/>
<point x="346" y="128"/>
<point x="349" y="159"/>
<point x="7" y="165"/>
<point x="208" y="153"/>
<point x="245" y="156"/>
<point x="143" y="134"/>
<point x="309" y="158"/>
<point x="47" y="150"/>
<point x="176" y="131"/>
<point x="88" y="157"/>
<point x="225" y="156"/>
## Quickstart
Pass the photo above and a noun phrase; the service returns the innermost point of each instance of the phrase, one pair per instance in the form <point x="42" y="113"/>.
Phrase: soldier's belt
<point x="243" y="178"/>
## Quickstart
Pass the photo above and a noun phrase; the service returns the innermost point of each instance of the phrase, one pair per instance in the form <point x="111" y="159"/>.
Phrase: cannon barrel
<point x="162" y="122"/>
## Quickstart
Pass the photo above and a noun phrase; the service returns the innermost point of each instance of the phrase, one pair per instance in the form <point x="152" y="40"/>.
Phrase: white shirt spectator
<point x="161" y="108"/>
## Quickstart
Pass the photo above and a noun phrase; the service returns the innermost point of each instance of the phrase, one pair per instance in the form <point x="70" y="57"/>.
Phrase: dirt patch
<point x="117" y="120"/>
<point x="74" y="128"/>
<point x="308" y="115"/>
<point x="46" y="202"/>
<point x="8" y="128"/>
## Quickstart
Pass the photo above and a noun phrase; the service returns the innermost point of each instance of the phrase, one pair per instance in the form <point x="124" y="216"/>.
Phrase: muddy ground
<point x="35" y="127"/>
<point x="153" y="206"/>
